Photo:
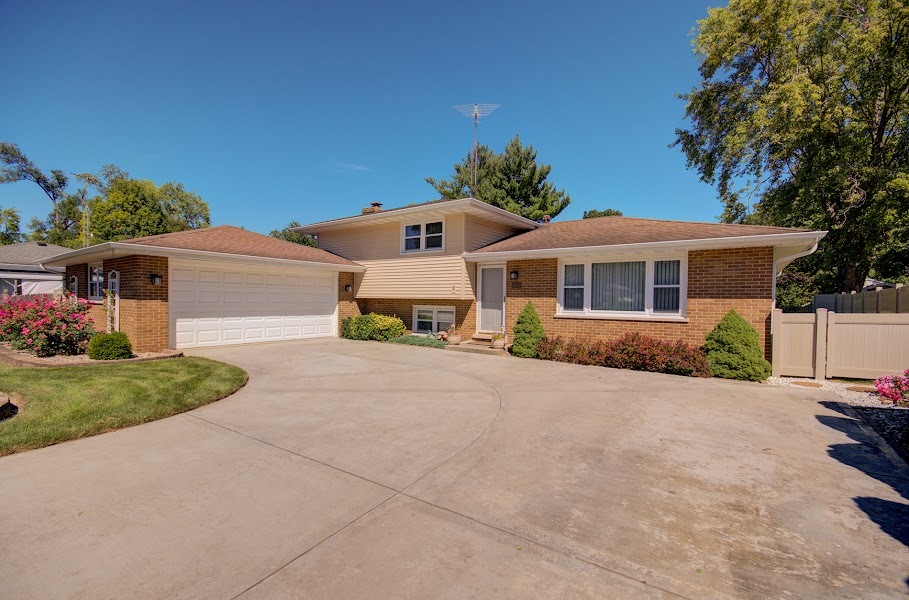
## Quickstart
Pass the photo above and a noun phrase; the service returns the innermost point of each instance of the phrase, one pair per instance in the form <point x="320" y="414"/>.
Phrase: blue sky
<point x="307" y="111"/>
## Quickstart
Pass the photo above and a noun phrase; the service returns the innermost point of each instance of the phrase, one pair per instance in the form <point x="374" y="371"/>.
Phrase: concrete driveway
<point x="365" y="470"/>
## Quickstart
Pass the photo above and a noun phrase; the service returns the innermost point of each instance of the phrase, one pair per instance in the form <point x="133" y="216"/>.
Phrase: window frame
<point x="648" y="314"/>
<point x="92" y="283"/>
<point x="435" y="316"/>
<point x="422" y="237"/>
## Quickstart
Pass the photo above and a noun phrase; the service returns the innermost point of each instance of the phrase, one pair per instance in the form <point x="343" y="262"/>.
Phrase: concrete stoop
<point x="477" y="348"/>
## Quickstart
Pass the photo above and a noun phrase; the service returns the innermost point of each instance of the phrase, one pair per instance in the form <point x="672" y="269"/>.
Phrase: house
<point x="466" y="262"/>
<point x="21" y="271"/>
<point x="213" y="286"/>
<point x="436" y="264"/>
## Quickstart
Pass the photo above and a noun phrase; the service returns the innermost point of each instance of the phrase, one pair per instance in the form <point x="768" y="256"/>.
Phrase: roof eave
<point x="356" y="220"/>
<point x="744" y="241"/>
<point x="118" y="249"/>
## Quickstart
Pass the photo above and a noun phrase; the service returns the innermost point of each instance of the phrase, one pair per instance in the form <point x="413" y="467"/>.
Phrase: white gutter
<point x="742" y="241"/>
<point x="115" y="249"/>
<point x="780" y="264"/>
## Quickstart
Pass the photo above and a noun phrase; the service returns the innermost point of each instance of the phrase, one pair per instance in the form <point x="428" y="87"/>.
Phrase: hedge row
<point x="372" y="327"/>
<point x="631" y="351"/>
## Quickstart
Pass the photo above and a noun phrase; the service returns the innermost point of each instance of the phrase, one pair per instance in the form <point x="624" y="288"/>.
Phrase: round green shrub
<point x="734" y="350"/>
<point x="528" y="332"/>
<point x="372" y="327"/>
<point x="110" y="346"/>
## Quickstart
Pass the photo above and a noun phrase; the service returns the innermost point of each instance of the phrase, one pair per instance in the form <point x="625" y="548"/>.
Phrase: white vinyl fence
<point x="828" y="344"/>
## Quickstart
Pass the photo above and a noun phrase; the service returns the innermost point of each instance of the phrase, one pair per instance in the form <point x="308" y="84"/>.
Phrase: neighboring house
<point x="436" y="264"/>
<point x="21" y="271"/>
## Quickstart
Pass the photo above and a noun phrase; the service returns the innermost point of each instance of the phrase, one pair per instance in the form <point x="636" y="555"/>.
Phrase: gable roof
<point x="28" y="256"/>
<point x="213" y="242"/>
<point x="634" y="233"/>
<point x="440" y="207"/>
<point x="29" y="253"/>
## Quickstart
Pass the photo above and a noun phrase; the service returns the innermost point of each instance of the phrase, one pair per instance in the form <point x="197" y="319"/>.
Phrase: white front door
<point x="218" y="303"/>
<point x="492" y="298"/>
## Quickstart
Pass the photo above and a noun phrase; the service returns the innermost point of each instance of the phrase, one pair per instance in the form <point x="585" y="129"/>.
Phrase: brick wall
<point x="718" y="280"/>
<point x="143" y="306"/>
<point x="465" y="310"/>
<point x="347" y="302"/>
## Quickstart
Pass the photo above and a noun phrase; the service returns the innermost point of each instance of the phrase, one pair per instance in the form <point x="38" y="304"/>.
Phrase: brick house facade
<point x="143" y="306"/>
<point x="718" y="281"/>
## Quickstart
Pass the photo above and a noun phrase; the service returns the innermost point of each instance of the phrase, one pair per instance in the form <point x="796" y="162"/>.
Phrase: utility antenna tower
<point x="475" y="112"/>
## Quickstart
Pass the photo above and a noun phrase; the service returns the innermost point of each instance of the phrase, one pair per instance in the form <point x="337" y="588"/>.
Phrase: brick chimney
<point x="374" y="207"/>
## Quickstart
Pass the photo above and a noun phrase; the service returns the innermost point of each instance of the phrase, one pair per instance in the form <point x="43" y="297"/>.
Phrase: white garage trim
<point x="218" y="302"/>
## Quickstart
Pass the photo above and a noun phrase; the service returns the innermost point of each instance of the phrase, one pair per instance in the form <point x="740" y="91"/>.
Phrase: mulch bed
<point x="892" y="424"/>
<point x="17" y="358"/>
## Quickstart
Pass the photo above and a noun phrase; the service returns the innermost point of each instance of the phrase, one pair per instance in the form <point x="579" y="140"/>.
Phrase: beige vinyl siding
<point x="391" y="273"/>
<point x="480" y="232"/>
<point x="440" y="276"/>
<point x="371" y="242"/>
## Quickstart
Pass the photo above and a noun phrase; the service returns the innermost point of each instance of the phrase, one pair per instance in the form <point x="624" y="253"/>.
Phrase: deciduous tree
<point x="609" y="212"/>
<point x="292" y="236"/>
<point x="801" y="118"/>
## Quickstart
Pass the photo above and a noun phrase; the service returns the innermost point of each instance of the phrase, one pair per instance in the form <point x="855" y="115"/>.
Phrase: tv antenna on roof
<point x="475" y="112"/>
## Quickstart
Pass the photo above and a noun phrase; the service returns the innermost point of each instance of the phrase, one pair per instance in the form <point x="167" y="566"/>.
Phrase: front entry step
<point x="477" y="348"/>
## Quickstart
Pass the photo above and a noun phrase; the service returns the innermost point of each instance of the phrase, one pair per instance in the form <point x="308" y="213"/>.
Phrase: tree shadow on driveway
<point x="869" y="456"/>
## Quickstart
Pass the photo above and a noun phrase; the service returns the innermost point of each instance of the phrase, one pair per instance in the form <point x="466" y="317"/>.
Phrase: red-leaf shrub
<point x="45" y="327"/>
<point x="631" y="351"/>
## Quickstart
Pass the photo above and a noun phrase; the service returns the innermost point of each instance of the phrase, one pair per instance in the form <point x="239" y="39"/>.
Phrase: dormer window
<point x="420" y="237"/>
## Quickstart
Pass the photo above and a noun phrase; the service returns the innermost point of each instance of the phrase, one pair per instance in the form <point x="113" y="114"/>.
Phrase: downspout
<point x="788" y="259"/>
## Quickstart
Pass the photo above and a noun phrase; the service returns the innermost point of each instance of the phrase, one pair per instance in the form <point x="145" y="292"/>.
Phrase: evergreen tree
<point x="513" y="181"/>
<point x="734" y="350"/>
<point x="528" y="332"/>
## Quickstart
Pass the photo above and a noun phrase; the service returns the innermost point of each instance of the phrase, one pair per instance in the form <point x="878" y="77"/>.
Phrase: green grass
<point x="60" y="404"/>
<point x="416" y="340"/>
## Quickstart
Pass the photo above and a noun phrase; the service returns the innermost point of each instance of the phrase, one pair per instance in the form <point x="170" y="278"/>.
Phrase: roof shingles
<point x="227" y="239"/>
<point x="612" y="231"/>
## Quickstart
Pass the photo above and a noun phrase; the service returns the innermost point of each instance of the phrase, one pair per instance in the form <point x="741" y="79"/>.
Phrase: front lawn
<point x="56" y="405"/>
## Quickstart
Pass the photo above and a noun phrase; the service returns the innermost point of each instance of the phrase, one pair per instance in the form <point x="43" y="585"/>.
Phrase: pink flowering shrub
<point x="46" y="326"/>
<point x="894" y="387"/>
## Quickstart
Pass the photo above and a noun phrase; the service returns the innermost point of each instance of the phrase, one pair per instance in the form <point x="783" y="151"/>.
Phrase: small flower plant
<point x="46" y="326"/>
<point x="500" y="334"/>
<point x="895" y="388"/>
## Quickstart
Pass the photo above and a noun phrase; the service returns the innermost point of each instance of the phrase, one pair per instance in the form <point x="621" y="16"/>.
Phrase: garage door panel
<point x="223" y="304"/>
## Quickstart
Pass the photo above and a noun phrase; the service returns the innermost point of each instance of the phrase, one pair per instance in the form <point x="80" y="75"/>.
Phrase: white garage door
<point x="215" y="303"/>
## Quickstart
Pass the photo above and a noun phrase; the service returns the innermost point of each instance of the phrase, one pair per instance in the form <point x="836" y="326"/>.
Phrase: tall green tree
<point x="9" y="226"/>
<point x="512" y="180"/>
<point x="131" y="208"/>
<point x="292" y="236"/>
<point x="801" y="118"/>
<point x="183" y="209"/>
<point x="609" y="212"/>
<point x="18" y="167"/>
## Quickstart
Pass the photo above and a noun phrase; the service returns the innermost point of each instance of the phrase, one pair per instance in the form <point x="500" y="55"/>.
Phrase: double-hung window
<point x="420" y="237"/>
<point x="432" y="319"/>
<point x="95" y="282"/>
<point x="648" y="288"/>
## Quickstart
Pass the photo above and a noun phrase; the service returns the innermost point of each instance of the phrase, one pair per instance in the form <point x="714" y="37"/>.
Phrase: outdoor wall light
<point x="513" y="275"/>
<point x="348" y="288"/>
<point x="155" y="279"/>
